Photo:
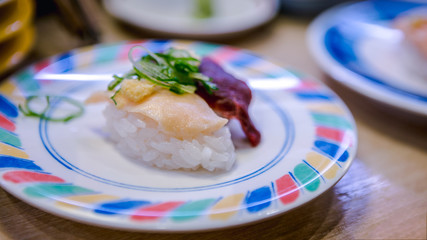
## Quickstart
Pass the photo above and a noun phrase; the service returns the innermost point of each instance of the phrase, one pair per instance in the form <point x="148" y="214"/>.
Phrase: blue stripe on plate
<point x="8" y="108"/>
<point x="14" y="162"/>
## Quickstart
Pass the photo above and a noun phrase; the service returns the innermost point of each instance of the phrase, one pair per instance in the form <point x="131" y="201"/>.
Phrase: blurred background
<point x="32" y="30"/>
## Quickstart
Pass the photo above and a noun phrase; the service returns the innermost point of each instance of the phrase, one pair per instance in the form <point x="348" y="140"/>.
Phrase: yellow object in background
<point x="16" y="31"/>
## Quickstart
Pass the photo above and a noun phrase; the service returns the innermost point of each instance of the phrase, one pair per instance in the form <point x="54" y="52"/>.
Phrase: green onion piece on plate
<point x="29" y="111"/>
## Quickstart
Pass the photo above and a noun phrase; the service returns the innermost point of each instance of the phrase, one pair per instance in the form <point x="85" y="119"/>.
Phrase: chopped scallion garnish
<point x="175" y="70"/>
<point x="28" y="111"/>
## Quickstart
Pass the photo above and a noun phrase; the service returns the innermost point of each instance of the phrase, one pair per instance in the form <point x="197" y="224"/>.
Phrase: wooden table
<point x="383" y="195"/>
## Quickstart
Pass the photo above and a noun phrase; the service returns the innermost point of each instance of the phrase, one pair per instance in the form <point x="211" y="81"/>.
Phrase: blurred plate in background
<point x="358" y="45"/>
<point x="308" y="7"/>
<point x="191" y="18"/>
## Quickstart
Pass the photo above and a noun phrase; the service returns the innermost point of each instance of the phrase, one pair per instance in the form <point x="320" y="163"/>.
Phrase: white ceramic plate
<point x="71" y="169"/>
<point x="357" y="45"/>
<point x="178" y="18"/>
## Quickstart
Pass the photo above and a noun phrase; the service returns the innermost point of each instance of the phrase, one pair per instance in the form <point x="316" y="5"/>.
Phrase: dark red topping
<point x="232" y="98"/>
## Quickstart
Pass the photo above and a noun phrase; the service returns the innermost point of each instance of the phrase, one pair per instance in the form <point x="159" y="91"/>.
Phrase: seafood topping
<point x="232" y="98"/>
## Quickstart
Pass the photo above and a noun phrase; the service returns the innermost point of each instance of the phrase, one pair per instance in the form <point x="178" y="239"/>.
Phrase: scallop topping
<point x="181" y="116"/>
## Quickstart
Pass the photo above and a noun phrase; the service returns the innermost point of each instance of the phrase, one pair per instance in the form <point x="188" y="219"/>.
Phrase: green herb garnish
<point x="175" y="70"/>
<point x="30" y="112"/>
<point x="203" y="9"/>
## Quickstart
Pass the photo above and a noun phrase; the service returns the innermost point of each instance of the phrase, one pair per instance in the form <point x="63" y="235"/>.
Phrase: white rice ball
<point x="142" y="139"/>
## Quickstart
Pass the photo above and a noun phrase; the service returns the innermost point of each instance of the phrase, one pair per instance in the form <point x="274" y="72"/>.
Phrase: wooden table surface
<point x="383" y="195"/>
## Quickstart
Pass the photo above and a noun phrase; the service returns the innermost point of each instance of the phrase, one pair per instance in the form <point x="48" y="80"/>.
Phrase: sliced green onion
<point x="143" y="73"/>
<point x="200" y="76"/>
<point x="153" y="55"/>
<point x="113" y="84"/>
<point x="204" y="9"/>
<point x="29" y="112"/>
<point x="175" y="70"/>
<point x="114" y="97"/>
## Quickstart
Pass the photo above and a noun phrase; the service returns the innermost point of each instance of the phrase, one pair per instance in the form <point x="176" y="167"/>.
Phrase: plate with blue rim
<point x="70" y="169"/>
<point x="358" y="44"/>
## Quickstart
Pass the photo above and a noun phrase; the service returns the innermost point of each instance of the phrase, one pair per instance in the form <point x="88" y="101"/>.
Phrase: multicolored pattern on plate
<point x="331" y="152"/>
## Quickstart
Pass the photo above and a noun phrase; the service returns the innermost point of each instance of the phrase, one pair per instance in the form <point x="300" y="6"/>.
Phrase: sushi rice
<point x="142" y="139"/>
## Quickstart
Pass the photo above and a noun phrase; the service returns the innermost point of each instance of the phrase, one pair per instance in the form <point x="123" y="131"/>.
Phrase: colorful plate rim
<point x="334" y="147"/>
<point x="318" y="40"/>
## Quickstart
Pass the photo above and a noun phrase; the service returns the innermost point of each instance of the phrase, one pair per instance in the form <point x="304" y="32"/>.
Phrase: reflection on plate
<point x="3" y="2"/>
<point x="357" y="45"/>
<point x="14" y="49"/>
<point x="16" y="32"/>
<point x="180" y="17"/>
<point x="14" y="16"/>
<point x="71" y="170"/>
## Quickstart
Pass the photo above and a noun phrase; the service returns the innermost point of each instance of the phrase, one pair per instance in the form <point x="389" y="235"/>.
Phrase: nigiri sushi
<point x="156" y="116"/>
<point x="168" y="130"/>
